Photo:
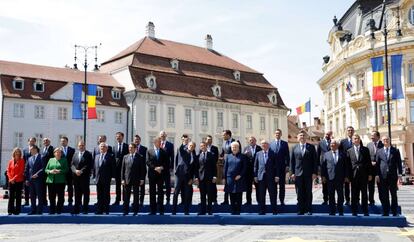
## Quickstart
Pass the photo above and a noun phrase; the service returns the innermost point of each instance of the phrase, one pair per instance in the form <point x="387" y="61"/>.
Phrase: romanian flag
<point x="377" y="79"/>
<point x="306" y="107"/>
<point x="92" y="102"/>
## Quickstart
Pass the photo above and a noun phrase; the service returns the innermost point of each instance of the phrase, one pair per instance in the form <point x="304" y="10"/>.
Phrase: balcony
<point x="359" y="99"/>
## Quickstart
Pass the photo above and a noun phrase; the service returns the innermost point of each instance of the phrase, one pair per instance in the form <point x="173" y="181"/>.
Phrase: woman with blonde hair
<point x="56" y="170"/>
<point x="15" y="174"/>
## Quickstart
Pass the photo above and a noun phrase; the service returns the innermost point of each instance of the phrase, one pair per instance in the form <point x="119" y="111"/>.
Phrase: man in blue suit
<point x="334" y="172"/>
<point x="34" y="174"/>
<point x="103" y="173"/>
<point x="215" y="152"/>
<point x="68" y="152"/>
<point x="373" y="147"/>
<point x="168" y="147"/>
<point x="281" y="149"/>
<point x="120" y="150"/>
<point x="323" y="147"/>
<point x="250" y="151"/>
<point x="47" y="154"/>
<point x="142" y="150"/>
<point x="26" y="154"/>
<point x="206" y="176"/>
<point x="304" y="168"/>
<point x="389" y="172"/>
<point x="344" y="146"/>
<point x="266" y="174"/>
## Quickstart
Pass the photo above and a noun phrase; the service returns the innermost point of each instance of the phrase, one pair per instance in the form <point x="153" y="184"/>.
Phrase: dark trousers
<point x="127" y="197"/>
<point x="44" y="193"/>
<point x="389" y="186"/>
<point x="81" y="187"/>
<point x="56" y="189"/>
<point x="304" y="193"/>
<point x="235" y="202"/>
<point x="338" y="188"/>
<point x="15" y="197"/>
<point x="249" y="189"/>
<point x="371" y="191"/>
<point x="282" y="189"/>
<point x="118" y="189"/>
<point x="156" y="194"/>
<point x="182" y="186"/>
<point x="26" y="193"/>
<point x="325" y="192"/>
<point x="141" y="194"/>
<point x="206" y="195"/>
<point x="226" y="197"/>
<point x="214" y="194"/>
<point x="359" y="186"/>
<point x="167" y="183"/>
<point x="104" y="197"/>
<point x="36" y="192"/>
<point x="69" y="185"/>
<point x="269" y="184"/>
<point x="347" y="192"/>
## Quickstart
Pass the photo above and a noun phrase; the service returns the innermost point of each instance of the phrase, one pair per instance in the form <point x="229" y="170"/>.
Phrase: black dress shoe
<point x="282" y="203"/>
<point x="51" y="213"/>
<point x="106" y="213"/>
<point x="325" y="203"/>
<point x="341" y="214"/>
<point x="10" y="213"/>
<point x="201" y="214"/>
<point x="224" y="203"/>
<point x="125" y="214"/>
<point x="332" y="214"/>
<point x="161" y="213"/>
<point x="151" y="213"/>
<point x="187" y="213"/>
<point x="366" y="214"/>
<point x="85" y="212"/>
<point x="210" y="213"/>
<point x="247" y="203"/>
<point x="115" y="203"/>
<point x="135" y="214"/>
<point x="347" y="203"/>
<point x="275" y="213"/>
<point x="385" y="215"/>
<point x="262" y="213"/>
<point x="300" y="213"/>
<point x="99" y="213"/>
<point x="309" y="213"/>
<point x="354" y="214"/>
<point x="74" y="212"/>
<point x="395" y="214"/>
<point x="31" y="213"/>
<point x="26" y="204"/>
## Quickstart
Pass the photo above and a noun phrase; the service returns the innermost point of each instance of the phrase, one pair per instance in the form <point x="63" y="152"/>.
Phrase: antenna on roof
<point x="75" y="66"/>
<point x="96" y="57"/>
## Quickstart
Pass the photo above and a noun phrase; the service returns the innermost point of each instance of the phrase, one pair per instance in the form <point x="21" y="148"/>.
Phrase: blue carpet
<point x="219" y="218"/>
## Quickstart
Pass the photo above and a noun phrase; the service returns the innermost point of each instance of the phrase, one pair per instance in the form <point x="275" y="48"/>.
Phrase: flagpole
<point x="387" y="89"/>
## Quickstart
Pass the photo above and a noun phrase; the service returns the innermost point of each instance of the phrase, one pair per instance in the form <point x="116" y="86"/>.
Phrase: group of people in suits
<point x="349" y="172"/>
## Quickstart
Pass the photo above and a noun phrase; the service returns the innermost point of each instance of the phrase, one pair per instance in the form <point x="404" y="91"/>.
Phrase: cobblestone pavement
<point x="88" y="232"/>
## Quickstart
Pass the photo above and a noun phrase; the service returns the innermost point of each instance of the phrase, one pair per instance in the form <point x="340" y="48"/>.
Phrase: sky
<point x="284" y="40"/>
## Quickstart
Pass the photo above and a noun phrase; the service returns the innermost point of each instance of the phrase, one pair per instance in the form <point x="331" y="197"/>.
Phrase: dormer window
<point x="216" y="90"/>
<point x="99" y="92"/>
<point x="236" y="75"/>
<point x="151" y="81"/>
<point x="18" y="83"/>
<point x="174" y="64"/>
<point x="116" y="94"/>
<point x="39" y="86"/>
<point x="272" y="98"/>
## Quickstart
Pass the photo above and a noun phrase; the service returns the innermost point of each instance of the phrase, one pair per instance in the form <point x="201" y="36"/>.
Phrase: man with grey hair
<point x="168" y="147"/>
<point x="334" y="172"/>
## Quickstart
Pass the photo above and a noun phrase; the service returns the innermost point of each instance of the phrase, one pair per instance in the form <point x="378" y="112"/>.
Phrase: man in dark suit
<point x="343" y="147"/>
<point x="323" y="147"/>
<point x="68" y="152"/>
<point x="46" y="153"/>
<point x="206" y="176"/>
<point x="185" y="165"/>
<point x="373" y="147"/>
<point x="168" y="147"/>
<point x="266" y="174"/>
<point x="215" y="152"/>
<point x="334" y="172"/>
<point x="142" y="150"/>
<point x="26" y="154"/>
<point x="225" y="150"/>
<point x="250" y="151"/>
<point x="120" y="150"/>
<point x="281" y="149"/>
<point x="97" y="150"/>
<point x="132" y="177"/>
<point x="34" y="173"/>
<point x="81" y="171"/>
<point x="103" y="173"/>
<point x="304" y="167"/>
<point x="360" y="173"/>
<point x="389" y="173"/>
<point x="157" y="159"/>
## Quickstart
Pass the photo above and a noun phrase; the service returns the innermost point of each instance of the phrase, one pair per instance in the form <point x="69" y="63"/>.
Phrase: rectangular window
<point x="362" y="118"/>
<point x="39" y="112"/>
<point x="249" y="121"/>
<point x="343" y="93"/>
<point x="235" y="120"/>
<point x="410" y="73"/>
<point x="99" y="92"/>
<point x="39" y="140"/>
<point x="62" y="113"/>
<point x="18" y="110"/>
<point x="187" y="119"/>
<point x="262" y="123"/>
<point x="204" y="118"/>
<point x="336" y="97"/>
<point x="152" y="113"/>
<point x="220" y="119"/>
<point x="18" y="139"/>
<point x="100" y="116"/>
<point x="384" y="114"/>
<point x="412" y="111"/>
<point x="337" y="125"/>
<point x="275" y="123"/>
<point x="171" y="115"/>
<point x="118" y="117"/>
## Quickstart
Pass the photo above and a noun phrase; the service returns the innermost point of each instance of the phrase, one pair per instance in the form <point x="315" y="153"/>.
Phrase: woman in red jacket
<point x="15" y="173"/>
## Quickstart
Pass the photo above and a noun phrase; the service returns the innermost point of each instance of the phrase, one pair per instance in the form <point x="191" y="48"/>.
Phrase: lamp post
<point x="373" y="28"/>
<point x="85" y="83"/>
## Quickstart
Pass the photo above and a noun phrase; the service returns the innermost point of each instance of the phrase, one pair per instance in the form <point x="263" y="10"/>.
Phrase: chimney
<point x="150" y="30"/>
<point x="209" y="42"/>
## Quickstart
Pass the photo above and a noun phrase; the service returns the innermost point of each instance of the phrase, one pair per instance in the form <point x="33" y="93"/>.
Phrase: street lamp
<point x="85" y="84"/>
<point x="373" y="28"/>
